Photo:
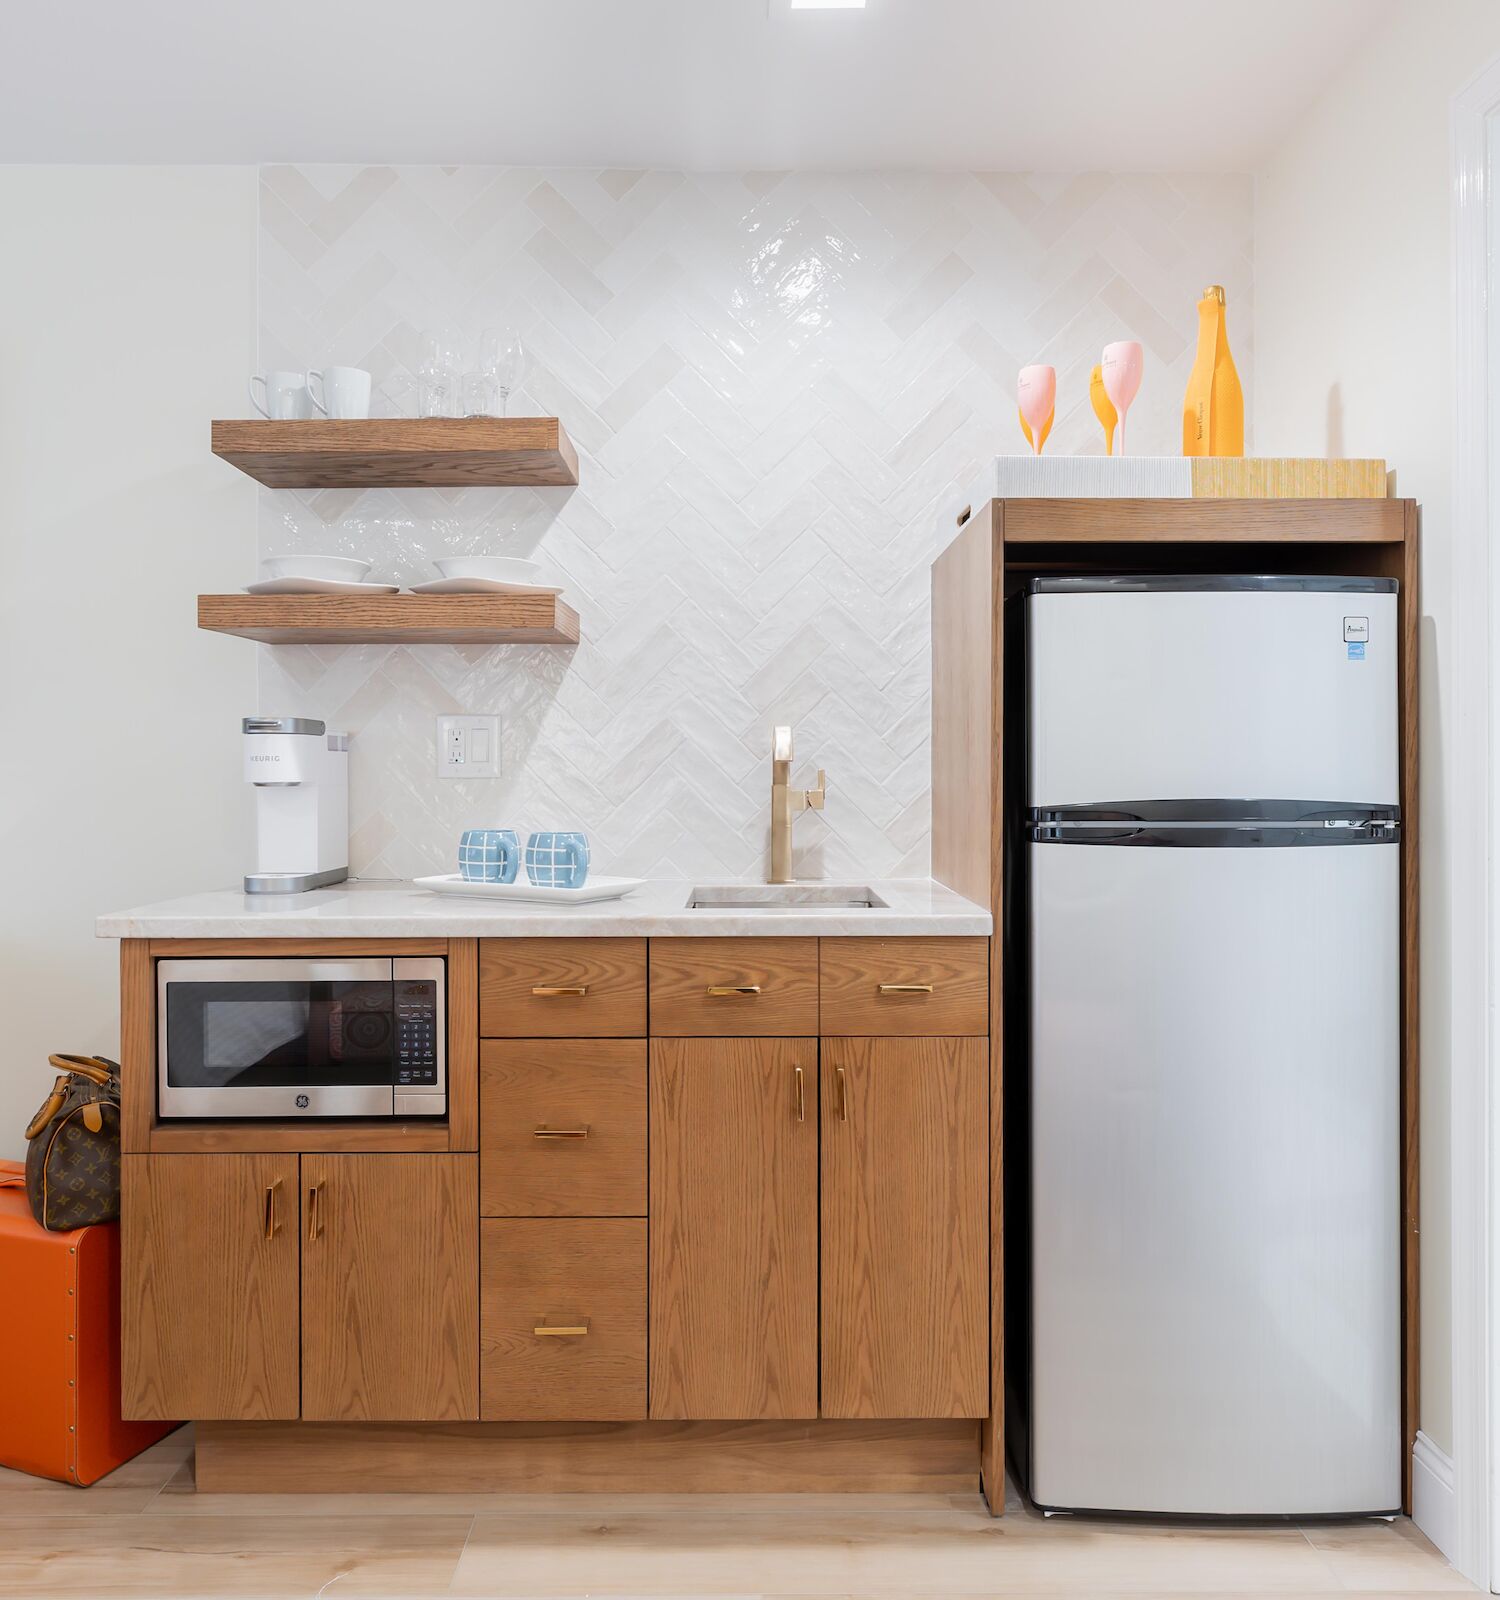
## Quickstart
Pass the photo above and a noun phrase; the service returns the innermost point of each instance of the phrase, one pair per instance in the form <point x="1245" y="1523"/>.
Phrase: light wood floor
<point x="143" y="1531"/>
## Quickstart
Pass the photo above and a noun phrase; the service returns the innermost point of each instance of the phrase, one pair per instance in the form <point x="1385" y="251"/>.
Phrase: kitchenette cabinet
<point x="209" y="1293"/>
<point x="331" y="1287"/>
<point x="726" y="1225"/>
<point x="390" y="1263"/>
<point x="734" y="1228"/>
<point x="905" y="1245"/>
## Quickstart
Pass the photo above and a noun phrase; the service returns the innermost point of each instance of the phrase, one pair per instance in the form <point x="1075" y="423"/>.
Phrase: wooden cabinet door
<point x="390" y="1272"/>
<point x="905" y="1284"/>
<point x="734" y="1228"/>
<point x="208" y="1291"/>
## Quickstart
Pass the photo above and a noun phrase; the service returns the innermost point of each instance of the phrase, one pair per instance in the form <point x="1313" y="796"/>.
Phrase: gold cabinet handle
<point x="550" y="991"/>
<point x="271" y="1189"/>
<point x="843" y="1086"/>
<point x="904" y="988"/>
<point x="544" y="1132"/>
<point x="576" y="1331"/>
<point x="313" y="1191"/>
<point x="801" y="1096"/>
<point x="718" y="990"/>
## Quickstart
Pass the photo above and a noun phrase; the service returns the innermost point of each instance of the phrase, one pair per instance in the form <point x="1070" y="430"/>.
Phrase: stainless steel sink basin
<point x="784" y="897"/>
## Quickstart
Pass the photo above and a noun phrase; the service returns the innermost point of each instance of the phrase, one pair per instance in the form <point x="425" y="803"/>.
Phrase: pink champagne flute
<point x="1120" y="369"/>
<point x="1036" y="395"/>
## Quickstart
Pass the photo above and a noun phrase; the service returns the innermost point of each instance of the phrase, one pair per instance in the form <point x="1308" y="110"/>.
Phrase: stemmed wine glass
<point x="1120" y="370"/>
<point x="502" y="359"/>
<point x="1036" y="398"/>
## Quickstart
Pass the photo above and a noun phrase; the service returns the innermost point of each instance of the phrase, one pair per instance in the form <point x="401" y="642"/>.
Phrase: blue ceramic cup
<point x="558" y="860"/>
<point x="489" y="855"/>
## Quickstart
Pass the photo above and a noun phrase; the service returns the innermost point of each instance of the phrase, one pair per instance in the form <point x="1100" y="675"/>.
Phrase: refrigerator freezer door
<point x="1214" y="1084"/>
<point x="1210" y="695"/>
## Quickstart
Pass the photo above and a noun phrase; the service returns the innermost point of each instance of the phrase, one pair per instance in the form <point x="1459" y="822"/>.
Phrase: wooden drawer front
<point x="562" y="1128"/>
<point x="564" y="1274"/>
<point x="903" y="986"/>
<point x="562" y="988"/>
<point x="734" y="988"/>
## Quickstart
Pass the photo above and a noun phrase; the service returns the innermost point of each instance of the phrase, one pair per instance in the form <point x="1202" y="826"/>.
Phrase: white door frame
<point x="1470" y="1521"/>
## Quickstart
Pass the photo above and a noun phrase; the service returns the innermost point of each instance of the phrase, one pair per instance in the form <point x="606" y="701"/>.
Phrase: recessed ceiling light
<point x="828" y="5"/>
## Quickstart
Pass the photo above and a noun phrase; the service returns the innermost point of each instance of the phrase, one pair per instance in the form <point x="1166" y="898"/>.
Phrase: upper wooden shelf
<point x="401" y="452"/>
<point x="1090" y="521"/>
<point x="391" y="618"/>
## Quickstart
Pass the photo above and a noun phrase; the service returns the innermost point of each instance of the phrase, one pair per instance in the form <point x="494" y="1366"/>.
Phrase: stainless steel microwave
<point x="293" y="1038"/>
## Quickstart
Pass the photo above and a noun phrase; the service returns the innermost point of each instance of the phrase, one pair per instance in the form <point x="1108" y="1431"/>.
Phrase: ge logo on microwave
<point x="302" y="1102"/>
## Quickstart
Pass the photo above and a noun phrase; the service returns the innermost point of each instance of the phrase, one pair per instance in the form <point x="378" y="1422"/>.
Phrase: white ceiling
<point x="701" y="84"/>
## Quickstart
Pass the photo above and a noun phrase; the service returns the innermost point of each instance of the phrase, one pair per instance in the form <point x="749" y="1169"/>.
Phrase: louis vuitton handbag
<point x="73" y="1158"/>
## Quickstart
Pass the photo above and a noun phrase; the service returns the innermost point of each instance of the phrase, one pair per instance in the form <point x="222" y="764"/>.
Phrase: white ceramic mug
<point x="345" y="391"/>
<point x="284" y="396"/>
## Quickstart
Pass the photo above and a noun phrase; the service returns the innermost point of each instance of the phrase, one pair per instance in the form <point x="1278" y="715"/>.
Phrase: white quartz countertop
<point x="388" y="910"/>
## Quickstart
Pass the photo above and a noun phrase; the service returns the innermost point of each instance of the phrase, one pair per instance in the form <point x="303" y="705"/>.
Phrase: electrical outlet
<point x="468" y="747"/>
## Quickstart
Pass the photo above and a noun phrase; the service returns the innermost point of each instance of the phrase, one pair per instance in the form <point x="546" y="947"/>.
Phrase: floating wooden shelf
<point x="1279" y="522"/>
<point x="401" y="452"/>
<point x="391" y="619"/>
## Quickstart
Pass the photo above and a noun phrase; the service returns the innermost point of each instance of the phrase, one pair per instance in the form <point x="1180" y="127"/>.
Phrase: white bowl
<point x="333" y="569"/>
<point x="498" y="569"/>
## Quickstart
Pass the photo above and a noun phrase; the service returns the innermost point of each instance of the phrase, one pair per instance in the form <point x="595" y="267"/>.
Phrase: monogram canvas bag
<point x="73" y="1158"/>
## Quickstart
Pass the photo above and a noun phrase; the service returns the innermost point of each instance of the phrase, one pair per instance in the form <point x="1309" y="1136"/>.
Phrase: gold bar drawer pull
<point x="904" y="988"/>
<point x="718" y="990"/>
<point x="545" y="1132"/>
<point x="576" y="1331"/>
<point x="551" y="990"/>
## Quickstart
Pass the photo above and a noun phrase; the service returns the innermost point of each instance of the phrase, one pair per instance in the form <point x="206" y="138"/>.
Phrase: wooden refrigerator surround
<point x="998" y="546"/>
<point x="706" y="1214"/>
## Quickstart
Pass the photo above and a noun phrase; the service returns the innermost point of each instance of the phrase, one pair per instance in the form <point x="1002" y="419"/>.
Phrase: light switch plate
<point x="468" y="747"/>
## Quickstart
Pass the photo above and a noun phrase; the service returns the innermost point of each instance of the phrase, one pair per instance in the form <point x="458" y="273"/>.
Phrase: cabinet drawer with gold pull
<point x="881" y="987"/>
<point x="562" y="988"/>
<point x="734" y="988"/>
<point x="562" y="1128"/>
<point x="562" y="1319"/>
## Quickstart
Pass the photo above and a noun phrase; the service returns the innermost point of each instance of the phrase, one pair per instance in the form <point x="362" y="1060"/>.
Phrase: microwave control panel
<point x="416" y="1032"/>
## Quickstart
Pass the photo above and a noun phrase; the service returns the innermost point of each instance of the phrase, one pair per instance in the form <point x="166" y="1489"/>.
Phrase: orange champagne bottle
<point x="1213" y="410"/>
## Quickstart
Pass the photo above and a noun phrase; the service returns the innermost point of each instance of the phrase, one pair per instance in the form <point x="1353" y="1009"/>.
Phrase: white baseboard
<point x="1434" y="1503"/>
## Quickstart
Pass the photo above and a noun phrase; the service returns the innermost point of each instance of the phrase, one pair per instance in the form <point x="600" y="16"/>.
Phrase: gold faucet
<point x="786" y="802"/>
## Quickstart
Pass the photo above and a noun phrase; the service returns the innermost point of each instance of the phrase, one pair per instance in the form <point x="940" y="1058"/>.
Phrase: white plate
<point x="496" y="569"/>
<point x="481" y="586"/>
<point x="334" y="569"/>
<point x="595" y="889"/>
<point x="318" y="586"/>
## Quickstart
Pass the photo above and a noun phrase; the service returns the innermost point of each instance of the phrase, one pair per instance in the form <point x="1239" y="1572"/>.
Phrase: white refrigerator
<point x="1211" y="841"/>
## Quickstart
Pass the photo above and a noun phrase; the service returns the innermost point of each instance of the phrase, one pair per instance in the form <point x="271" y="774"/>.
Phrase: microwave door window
<point x="273" y="1034"/>
<point x="259" y="1041"/>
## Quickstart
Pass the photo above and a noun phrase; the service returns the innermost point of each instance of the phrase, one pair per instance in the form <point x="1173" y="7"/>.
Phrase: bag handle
<point x="50" y="1107"/>
<point x="99" y="1069"/>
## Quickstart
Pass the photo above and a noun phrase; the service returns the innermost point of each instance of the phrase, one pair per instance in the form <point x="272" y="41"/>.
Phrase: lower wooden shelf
<point x="305" y="1136"/>
<point x="391" y="619"/>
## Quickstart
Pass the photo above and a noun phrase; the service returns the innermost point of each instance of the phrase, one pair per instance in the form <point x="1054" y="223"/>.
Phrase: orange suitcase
<point x="60" y="1347"/>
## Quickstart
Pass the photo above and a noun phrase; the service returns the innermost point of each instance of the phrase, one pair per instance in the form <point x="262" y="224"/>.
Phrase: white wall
<point x="128" y="321"/>
<point x="1354" y="357"/>
<point x="776" y="382"/>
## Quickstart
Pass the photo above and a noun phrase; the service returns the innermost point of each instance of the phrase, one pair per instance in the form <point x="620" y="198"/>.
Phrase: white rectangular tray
<point x="594" y="889"/>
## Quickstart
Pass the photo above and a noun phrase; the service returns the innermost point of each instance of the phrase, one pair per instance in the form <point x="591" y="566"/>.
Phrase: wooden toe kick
<point x="829" y="1457"/>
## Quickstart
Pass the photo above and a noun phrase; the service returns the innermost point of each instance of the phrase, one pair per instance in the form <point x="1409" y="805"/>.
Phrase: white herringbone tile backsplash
<point x="776" y="383"/>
